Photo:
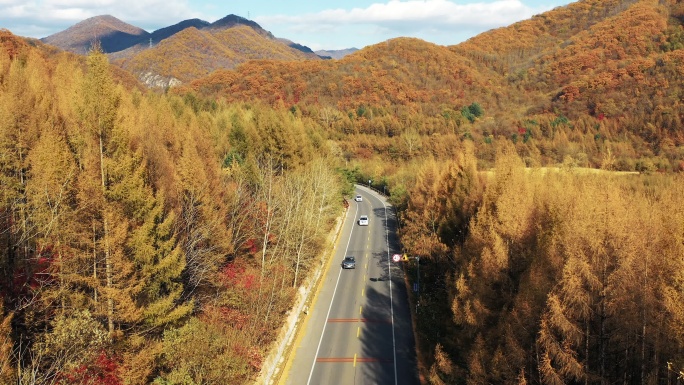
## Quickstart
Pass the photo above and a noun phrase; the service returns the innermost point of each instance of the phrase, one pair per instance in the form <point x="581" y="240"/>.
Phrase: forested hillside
<point x="558" y="277"/>
<point x="546" y="276"/>
<point x="181" y="52"/>
<point x="147" y="238"/>
<point x="594" y="81"/>
<point x="194" y="53"/>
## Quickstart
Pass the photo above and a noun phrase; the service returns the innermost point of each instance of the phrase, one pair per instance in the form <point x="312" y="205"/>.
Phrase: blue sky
<point x="329" y="24"/>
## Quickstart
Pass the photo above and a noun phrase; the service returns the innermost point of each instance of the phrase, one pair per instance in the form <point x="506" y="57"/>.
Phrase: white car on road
<point x="363" y="220"/>
<point x="358" y="198"/>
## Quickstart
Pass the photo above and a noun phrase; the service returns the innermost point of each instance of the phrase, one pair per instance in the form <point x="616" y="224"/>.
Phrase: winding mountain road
<point x="359" y="330"/>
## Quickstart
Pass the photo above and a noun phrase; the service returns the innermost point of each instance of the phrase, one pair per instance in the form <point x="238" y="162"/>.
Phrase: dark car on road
<point x="349" y="262"/>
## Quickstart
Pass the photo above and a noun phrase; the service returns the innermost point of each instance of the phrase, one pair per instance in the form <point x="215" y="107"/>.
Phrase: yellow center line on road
<point x="354" y="359"/>
<point x="360" y="309"/>
<point x="358" y="332"/>
<point x="363" y="291"/>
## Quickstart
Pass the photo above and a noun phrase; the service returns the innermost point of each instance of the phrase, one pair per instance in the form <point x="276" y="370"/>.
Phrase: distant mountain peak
<point x="232" y="20"/>
<point x="181" y="52"/>
<point x="112" y="34"/>
<point x="107" y="22"/>
<point x="336" y="53"/>
<point x="166" y="32"/>
<point x="104" y="18"/>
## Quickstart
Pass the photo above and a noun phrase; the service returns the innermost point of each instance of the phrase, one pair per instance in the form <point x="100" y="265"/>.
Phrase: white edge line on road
<point x="389" y="269"/>
<point x="325" y="323"/>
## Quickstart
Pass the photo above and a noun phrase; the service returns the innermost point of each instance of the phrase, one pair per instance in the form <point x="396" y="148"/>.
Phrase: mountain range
<point x="184" y="51"/>
<point x="609" y="70"/>
<point x="582" y="62"/>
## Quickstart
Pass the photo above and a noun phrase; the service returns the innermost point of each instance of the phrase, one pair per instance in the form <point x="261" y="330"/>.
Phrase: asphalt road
<point x="359" y="330"/>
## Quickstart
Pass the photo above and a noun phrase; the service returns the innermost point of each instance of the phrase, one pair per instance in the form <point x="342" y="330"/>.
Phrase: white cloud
<point x="430" y="12"/>
<point x="411" y="16"/>
<point x="438" y="21"/>
<point x="31" y="18"/>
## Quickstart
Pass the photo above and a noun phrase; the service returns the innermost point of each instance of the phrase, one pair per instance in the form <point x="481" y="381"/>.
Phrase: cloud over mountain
<point x="407" y="17"/>
<point x="41" y="18"/>
<point x="330" y="25"/>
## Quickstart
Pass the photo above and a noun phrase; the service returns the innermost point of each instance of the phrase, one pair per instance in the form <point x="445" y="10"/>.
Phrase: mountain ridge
<point x="163" y="33"/>
<point x="193" y="53"/>
<point x="115" y="35"/>
<point x="222" y="44"/>
<point x="336" y="53"/>
<point x="112" y="34"/>
<point x="577" y="65"/>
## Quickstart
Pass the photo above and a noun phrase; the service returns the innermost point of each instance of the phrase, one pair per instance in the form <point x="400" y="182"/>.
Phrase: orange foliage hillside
<point x="600" y="72"/>
<point x="14" y="45"/>
<point x="193" y="53"/>
<point x="10" y="43"/>
<point x="509" y="48"/>
<point x="403" y="71"/>
<point x="132" y="225"/>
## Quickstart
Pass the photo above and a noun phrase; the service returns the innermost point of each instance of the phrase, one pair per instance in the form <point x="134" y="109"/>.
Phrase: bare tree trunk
<point x="301" y="228"/>
<point x="270" y="300"/>
<point x="241" y="210"/>
<point x="267" y="192"/>
<point x="94" y="263"/>
<point x="286" y="215"/>
<point x="624" y="373"/>
<point x="602" y="337"/>
<point x="62" y="289"/>
<point x="643" y="351"/>
<point x="538" y="361"/>
<point x="108" y="274"/>
<point x="267" y="225"/>
<point x="586" y="352"/>
<point x="22" y="206"/>
<point x="105" y="235"/>
<point x="656" y="358"/>
<point x="298" y="260"/>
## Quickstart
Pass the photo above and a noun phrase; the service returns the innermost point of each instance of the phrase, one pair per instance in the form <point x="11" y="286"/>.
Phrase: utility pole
<point x="417" y="283"/>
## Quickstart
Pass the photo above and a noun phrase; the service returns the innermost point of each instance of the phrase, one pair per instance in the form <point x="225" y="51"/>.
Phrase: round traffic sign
<point x="396" y="257"/>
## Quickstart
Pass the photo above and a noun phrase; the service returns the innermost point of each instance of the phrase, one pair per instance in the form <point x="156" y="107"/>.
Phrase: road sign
<point x="405" y="258"/>
<point x="396" y="257"/>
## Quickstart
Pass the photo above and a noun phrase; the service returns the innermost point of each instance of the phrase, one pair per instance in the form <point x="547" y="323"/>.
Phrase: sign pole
<point x="418" y="274"/>
<point x="418" y="281"/>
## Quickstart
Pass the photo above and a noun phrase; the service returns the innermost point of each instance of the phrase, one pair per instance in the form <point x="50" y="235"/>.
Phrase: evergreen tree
<point x="51" y="197"/>
<point x="98" y="113"/>
<point x="159" y="262"/>
<point x="204" y="237"/>
<point x="24" y="109"/>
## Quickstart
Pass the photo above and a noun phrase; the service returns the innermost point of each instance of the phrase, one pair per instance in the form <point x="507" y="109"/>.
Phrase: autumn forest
<point x="162" y="235"/>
